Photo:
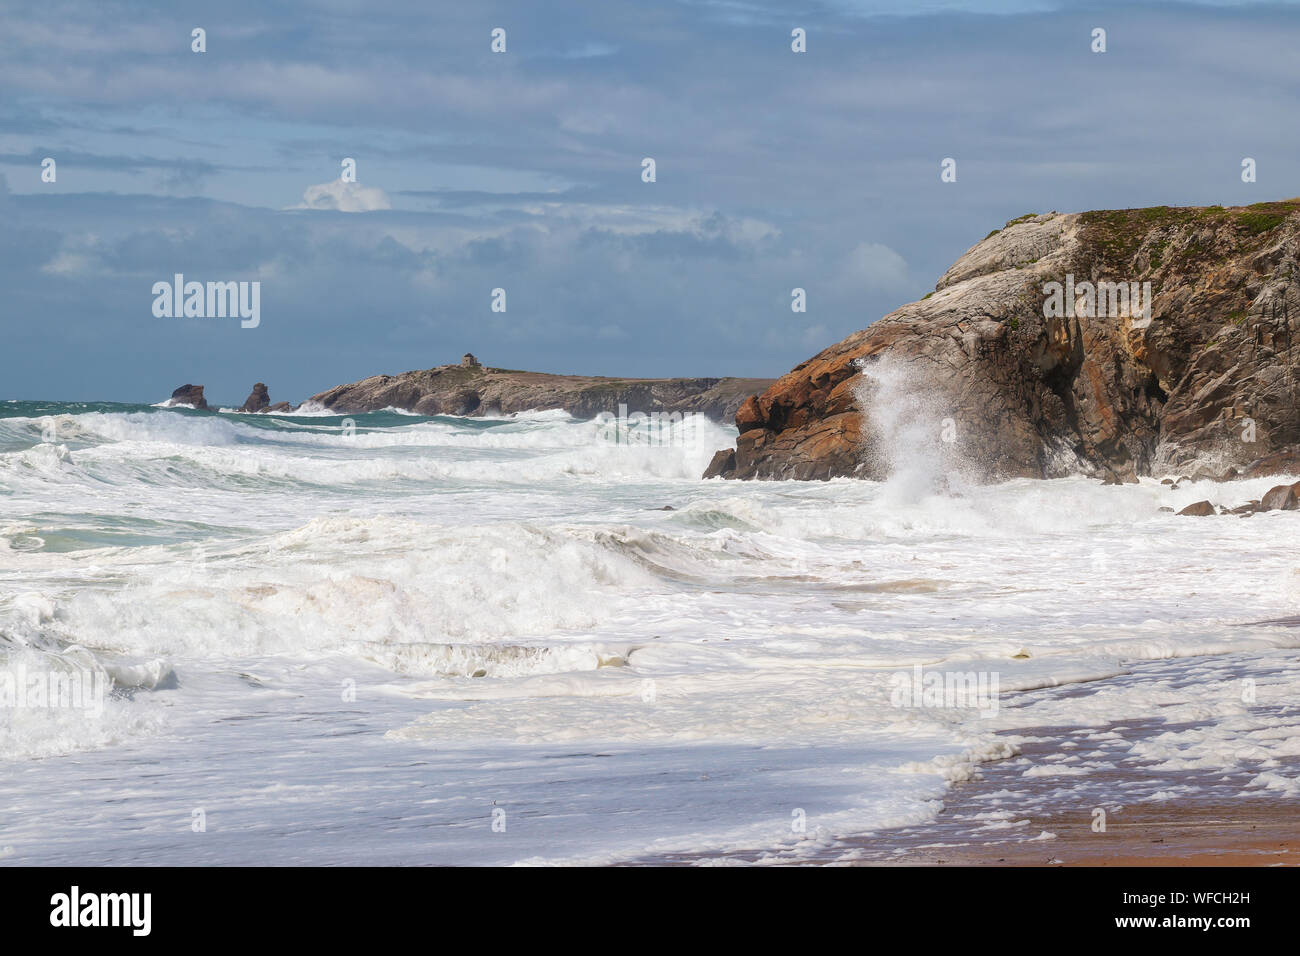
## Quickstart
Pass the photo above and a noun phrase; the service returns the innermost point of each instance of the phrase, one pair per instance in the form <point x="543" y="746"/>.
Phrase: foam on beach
<point x="427" y="615"/>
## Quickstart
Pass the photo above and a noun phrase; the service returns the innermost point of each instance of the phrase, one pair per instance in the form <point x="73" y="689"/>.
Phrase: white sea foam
<point x="505" y="608"/>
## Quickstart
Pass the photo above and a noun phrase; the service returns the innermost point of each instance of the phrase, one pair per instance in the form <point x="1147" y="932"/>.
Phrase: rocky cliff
<point x="471" y="389"/>
<point x="1040" y="354"/>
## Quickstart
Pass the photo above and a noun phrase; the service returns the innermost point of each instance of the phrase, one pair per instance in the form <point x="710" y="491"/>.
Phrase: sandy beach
<point x="1176" y="833"/>
<point x="1135" y="792"/>
<point x="1152" y="815"/>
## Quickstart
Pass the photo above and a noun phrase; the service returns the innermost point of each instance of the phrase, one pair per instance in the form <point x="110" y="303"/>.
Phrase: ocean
<point x="391" y="639"/>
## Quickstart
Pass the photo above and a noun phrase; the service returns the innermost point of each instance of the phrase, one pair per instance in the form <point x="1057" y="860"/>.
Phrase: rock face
<point x="258" y="401"/>
<point x="994" y="370"/>
<point x="1279" y="463"/>
<point x="189" y="395"/>
<point x="476" y="390"/>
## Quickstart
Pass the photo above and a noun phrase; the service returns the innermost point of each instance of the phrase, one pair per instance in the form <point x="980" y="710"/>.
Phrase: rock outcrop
<point x="1007" y="375"/>
<point x="1277" y="498"/>
<point x="258" y="401"/>
<point x="476" y="390"/>
<point x="1281" y="498"/>
<point x="189" y="395"/>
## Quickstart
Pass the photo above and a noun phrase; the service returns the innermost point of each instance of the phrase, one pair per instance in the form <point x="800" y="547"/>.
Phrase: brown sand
<point x="1217" y="827"/>
<point x="1191" y="834"/>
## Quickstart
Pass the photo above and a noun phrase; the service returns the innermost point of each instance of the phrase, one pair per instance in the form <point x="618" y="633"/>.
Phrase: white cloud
<point x="344" y="197"/>
<point x="874" y="266"/>
<point x="70" y="264"/>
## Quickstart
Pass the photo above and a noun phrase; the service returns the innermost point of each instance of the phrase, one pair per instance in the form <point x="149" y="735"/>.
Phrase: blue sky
<point x="522" y="170"/>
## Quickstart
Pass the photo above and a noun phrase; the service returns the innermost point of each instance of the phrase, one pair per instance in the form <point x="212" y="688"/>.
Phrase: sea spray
<point x="913" y="440"/>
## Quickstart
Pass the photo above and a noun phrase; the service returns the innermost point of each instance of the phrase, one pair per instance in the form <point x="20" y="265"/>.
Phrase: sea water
<point x="398" y="639"/>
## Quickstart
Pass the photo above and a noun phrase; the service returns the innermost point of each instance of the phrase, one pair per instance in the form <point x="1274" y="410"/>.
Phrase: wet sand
<point x="1209" y="831"/>
<point x="1135" y="813"/>
<point x="1122" y="810"/>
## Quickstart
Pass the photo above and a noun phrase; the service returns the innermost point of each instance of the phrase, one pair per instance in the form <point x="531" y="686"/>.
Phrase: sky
<point x="523" y="170"/>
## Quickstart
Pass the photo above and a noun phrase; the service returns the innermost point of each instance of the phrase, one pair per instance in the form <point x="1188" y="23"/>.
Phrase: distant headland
<point x="468" y="388"/>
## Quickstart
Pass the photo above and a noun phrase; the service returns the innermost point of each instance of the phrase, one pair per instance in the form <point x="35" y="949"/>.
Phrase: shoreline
<point x="1035" y="809"/>
<point x="1258" y="830"/>
<point x="1018" y="812"/>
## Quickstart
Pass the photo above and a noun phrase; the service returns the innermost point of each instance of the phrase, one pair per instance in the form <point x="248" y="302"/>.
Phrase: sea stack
<point x="189" y="395"/>
<point x="258" y="401"/>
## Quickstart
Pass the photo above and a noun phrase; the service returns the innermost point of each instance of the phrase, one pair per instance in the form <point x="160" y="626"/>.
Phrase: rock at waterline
<point x="189" y="395"/>
<point x="1281" y="498"/>
<point x="1199" y="510"/>
<point x="258" y="401"/>
<point x="723" y="461"/>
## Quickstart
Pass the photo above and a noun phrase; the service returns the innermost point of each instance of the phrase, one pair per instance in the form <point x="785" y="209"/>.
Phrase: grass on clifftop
<point x="1118" y="233"/>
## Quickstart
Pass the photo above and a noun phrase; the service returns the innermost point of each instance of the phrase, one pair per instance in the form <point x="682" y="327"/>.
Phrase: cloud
<point x="523" y="171"/>
<point x="588" y="50"/>
<point x="871" y="265"/>
<point x="339" y="196"/>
